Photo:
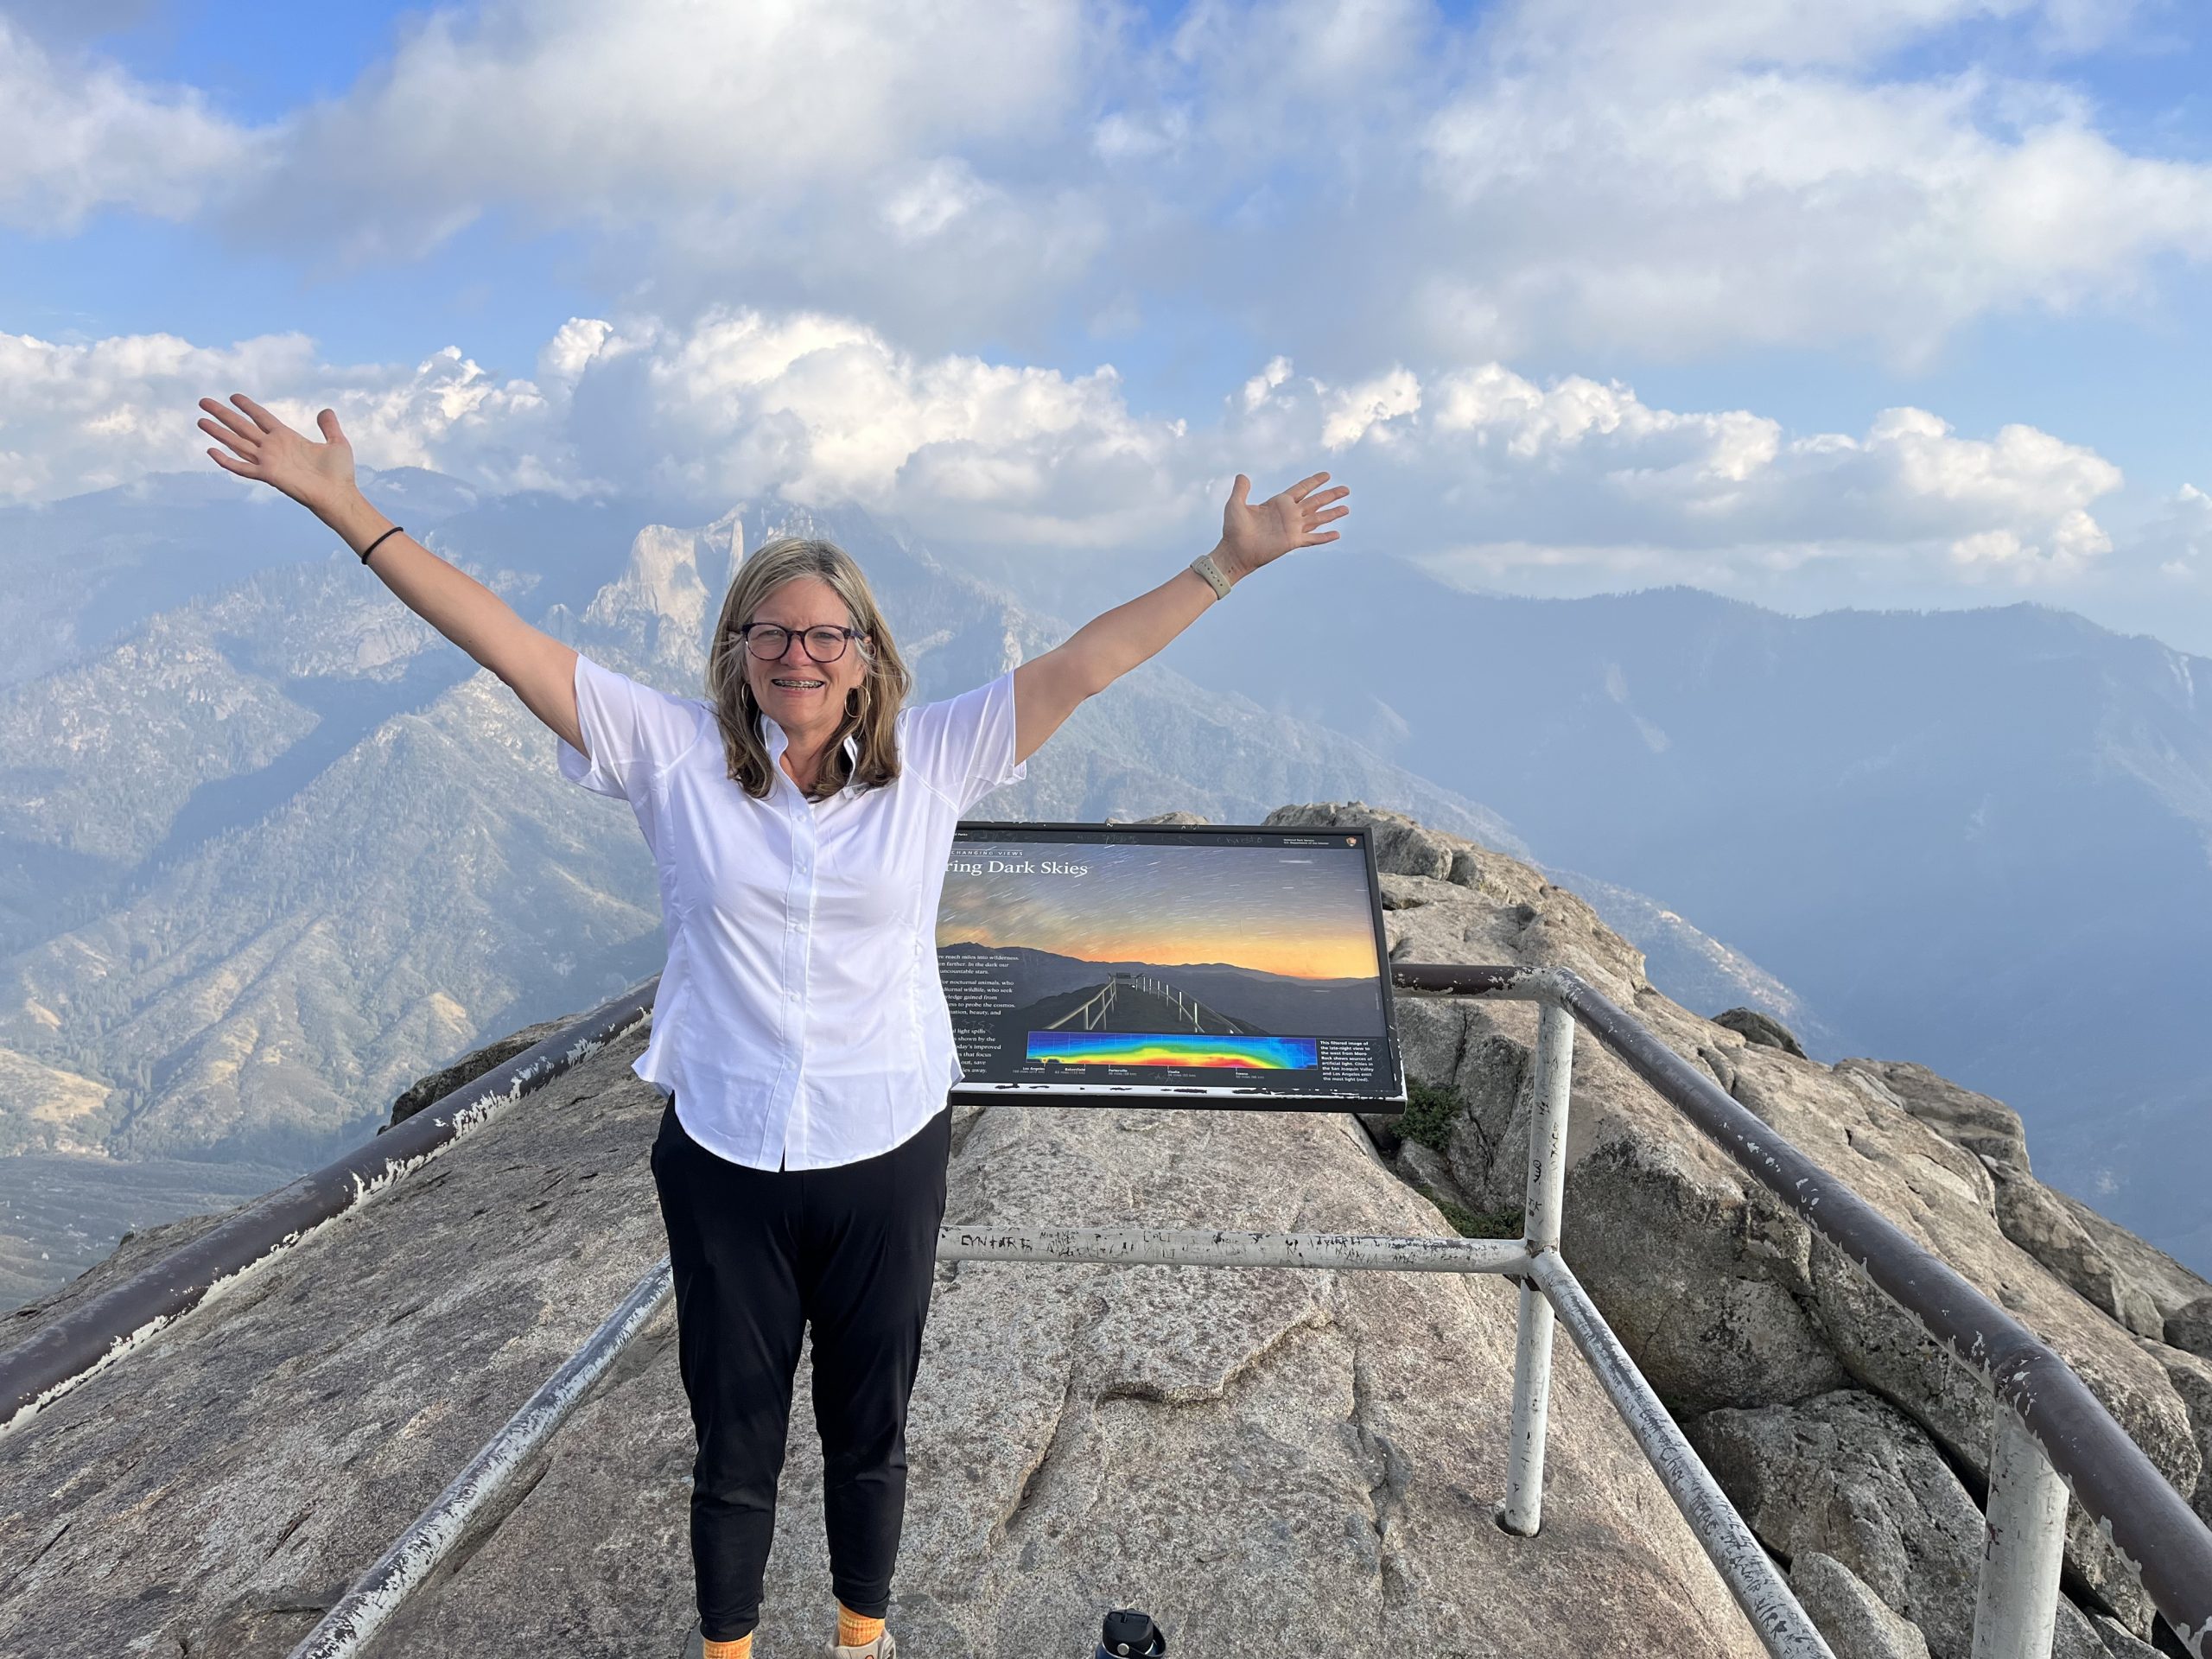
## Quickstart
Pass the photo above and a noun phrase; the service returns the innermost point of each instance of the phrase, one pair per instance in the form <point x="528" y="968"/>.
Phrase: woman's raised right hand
<point x="319" y="476"/>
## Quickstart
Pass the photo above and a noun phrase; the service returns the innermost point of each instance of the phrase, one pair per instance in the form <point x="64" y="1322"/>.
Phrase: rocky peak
<point x="658" y="604"/>
<point x="1269" y="1458"/>
<point x="1754" y="1027"/>
<point x="1729" y="1302"/>
<point x="1988" y="1128"/>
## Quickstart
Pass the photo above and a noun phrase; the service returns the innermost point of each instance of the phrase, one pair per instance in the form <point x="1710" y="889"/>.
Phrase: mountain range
<point x="270" y="848"/>
<point x="1981" y="839"/>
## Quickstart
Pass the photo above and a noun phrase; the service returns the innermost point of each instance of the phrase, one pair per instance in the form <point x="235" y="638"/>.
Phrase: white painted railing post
<point x="2023" y="1547"/>
<point x="1553" y="1075"/>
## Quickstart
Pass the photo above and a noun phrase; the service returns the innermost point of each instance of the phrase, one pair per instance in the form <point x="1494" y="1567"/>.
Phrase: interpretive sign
<point x="1241" y="964"/>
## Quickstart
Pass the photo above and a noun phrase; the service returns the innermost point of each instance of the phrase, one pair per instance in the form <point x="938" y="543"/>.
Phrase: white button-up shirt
<point x="800" y="1022"/>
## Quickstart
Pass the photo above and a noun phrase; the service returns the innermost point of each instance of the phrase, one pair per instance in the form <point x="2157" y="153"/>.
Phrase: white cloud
<point x="2180" y="539"/>
<point x="652" y="115"/>
<point x="1271" y="78"/>
<point x="1120" y="136"/>
<point x="78" y="134"/>
<point x="81" y="418"/>
<point x="822" y="408"/>
<point x="1479" y="467"/>
<point x="1669" y="36"/>
<point x="924" y="205"/>
<point x="1365" y="410"/>
<point x="1261" y="385"/>
<point x="819" y="408"/>
<point x="1382" y="181"/>
<point x="1581" y="475"/>
<point x="1673" y="199"/>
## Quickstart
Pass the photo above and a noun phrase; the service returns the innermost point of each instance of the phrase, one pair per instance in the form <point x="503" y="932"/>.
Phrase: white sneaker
<point x="882" y="1648"/>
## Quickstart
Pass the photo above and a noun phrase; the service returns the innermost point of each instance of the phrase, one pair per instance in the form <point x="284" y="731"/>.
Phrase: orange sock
<point x="741" y="1649"/>
<point x="853" y="1630"/>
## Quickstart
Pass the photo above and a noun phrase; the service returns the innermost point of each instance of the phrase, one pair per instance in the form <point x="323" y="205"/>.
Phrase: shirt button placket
<point x="801" y="911"/>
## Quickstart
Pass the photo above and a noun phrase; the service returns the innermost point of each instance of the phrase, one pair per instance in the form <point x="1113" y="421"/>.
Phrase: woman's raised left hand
<point x="1253" y="536"/>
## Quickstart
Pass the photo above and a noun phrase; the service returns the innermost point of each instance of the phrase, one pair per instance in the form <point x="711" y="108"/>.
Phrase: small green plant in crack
<point x="1475" y="1224"/>
<point x="1429" y="1115"/>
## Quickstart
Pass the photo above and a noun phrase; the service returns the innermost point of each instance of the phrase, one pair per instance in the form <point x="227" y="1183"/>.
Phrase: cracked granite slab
<point x="1259" y="1458"/>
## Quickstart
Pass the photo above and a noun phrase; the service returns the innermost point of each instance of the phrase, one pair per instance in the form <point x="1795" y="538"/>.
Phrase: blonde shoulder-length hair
<point x="871" y="709"/>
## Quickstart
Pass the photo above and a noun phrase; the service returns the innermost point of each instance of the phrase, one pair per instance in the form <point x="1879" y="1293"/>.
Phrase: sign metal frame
<point x="1183" y="1097"/>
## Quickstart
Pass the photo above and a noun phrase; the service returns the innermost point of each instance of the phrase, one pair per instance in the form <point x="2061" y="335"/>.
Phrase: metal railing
<point x="1547" y="1289"/>
<point x="78" y="1346"/>
<point x="2051" y="1436"/>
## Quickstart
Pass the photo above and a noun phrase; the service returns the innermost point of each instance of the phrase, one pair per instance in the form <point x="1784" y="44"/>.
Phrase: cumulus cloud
<point x="822" y="409"/>
<point x="2179" y="540"/>
<point x="1766" y="205"/>
<point x="1477" y="466"/>
<point x="1350" y="413"/>
<point x="1496" y="474"/>
<point x="689" y="137"/>
<point x="1664" y="178"/>
<point x="1391" y="180"/>
<point x="814" y="408"/>
<point x="81" y="418"/>
<point x="78" y="134"/>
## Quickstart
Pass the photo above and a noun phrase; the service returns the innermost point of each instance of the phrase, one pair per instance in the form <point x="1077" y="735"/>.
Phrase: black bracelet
<point x="376" y="544"/>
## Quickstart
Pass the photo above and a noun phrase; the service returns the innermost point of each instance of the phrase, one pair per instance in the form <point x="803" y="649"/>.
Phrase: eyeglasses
<point x="769" y="642"/>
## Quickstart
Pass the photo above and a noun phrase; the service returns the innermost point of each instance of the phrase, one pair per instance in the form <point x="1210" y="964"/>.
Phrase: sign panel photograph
<point x="1114" y="960"/>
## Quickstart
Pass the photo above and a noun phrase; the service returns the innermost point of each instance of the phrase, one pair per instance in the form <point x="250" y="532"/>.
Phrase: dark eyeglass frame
<point x="804" y="636"/>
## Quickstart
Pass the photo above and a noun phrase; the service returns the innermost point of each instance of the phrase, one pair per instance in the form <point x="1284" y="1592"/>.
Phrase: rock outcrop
<point x="1846" y="1475"/>
<point x="429" y="1089"/>
<point x="1754" y="1027"/>
<point x="1858" y="1624"/>
<point x="1727" y="1299"/>
<point x="1261" y="1458"/>
<point x="1270" y="1459"/>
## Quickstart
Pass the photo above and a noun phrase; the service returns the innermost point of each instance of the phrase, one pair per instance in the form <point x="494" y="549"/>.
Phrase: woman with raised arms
<point x="800" y="817"/>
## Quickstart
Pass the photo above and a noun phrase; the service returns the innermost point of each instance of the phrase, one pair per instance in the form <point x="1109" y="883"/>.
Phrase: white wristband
<point x="1204" y="566"/>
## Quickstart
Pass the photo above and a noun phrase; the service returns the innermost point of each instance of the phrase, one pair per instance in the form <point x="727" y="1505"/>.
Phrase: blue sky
<point x="1578" y="296"/>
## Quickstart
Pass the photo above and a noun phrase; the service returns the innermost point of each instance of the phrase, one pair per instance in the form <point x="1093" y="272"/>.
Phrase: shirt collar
<point x="779" y="740"/>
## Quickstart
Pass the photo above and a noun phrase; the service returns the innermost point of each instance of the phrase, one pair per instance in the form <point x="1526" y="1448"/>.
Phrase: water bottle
<point x="1129" y="1634"/>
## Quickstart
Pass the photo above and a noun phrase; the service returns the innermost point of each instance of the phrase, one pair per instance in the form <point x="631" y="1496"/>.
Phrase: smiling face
<point x="808" y="713"/>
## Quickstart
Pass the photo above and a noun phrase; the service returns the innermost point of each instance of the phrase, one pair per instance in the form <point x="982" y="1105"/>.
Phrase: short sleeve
<point x="632" y="730"/>
<point x="963" y="746"/>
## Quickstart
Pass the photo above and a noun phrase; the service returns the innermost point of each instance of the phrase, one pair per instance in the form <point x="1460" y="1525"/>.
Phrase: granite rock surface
<point x="1258" y="1458"/>
<point x="1725" y="1298"/>
<point x="1264" y="1458"/>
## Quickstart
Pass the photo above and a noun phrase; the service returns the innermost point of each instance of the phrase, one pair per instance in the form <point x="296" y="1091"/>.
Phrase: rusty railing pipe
<point x="85" y="1342"/>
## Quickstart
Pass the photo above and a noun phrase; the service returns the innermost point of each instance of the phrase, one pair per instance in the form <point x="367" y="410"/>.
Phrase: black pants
<point x="756" y="1256"/>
